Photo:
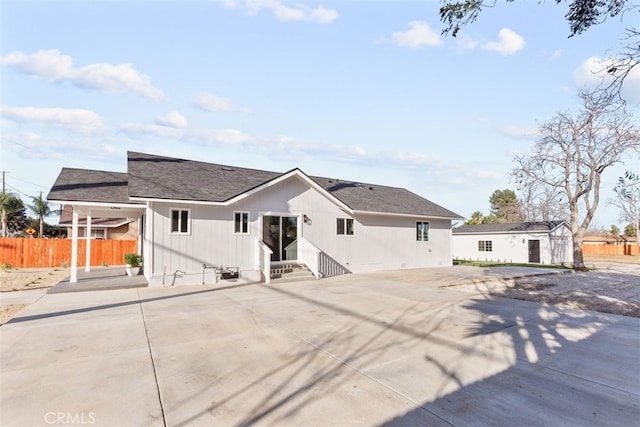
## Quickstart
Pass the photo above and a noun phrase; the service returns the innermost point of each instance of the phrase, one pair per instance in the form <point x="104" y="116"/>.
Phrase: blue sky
<point x="358" y="90"/>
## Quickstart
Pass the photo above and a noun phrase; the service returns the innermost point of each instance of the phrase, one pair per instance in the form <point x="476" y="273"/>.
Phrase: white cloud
<point x="138" y="130"/>
<point x="193" y="136"/>
<point x="214" y="103"/>
<point x="418" y="35"/>
<point x="75" y="120"/>
<point x="592" y="73"/>
<point x="53" y="66"/>
<point x="299" y="13"/>
<point x="172" y="119"/>
<point x="467" y="42"/>
<point x="556" y="54"/>
<point x="509" y="42"/>
<point x="520" y="132"/>
<point x="33" y="145"/>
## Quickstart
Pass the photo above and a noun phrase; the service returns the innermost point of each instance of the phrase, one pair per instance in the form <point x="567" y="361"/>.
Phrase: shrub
<point x="132" y="259"/>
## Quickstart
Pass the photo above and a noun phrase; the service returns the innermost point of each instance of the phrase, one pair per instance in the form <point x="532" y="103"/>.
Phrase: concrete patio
<point x="100" y="279"/>
<point x="351" y="350"/>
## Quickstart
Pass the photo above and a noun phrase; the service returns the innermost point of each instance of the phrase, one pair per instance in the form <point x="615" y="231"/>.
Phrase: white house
<point x="196" y="215"/>
<point x="546" y="242"/>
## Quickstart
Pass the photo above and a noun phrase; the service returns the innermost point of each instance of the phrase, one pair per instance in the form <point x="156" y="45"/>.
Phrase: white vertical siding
<point x="514" y="247"/>
<point x="380" y="241"/>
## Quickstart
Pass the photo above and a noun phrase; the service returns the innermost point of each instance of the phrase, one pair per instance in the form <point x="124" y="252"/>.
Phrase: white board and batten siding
<point x="380" y="242"/>
<point x="555" y="246"/>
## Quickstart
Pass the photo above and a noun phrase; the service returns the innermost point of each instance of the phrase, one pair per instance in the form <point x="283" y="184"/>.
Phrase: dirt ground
<point x="608" y="288"/>
<point x="612" y="286"/>
<point x="20" y="279"/>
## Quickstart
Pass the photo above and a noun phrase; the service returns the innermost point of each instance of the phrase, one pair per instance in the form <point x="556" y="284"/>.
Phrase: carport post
<point x="74" y="246"/>
<point x="87" y="265"/>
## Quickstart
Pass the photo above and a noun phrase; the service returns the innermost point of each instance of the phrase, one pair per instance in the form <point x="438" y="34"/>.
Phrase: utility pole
<point x="3" y="211"/>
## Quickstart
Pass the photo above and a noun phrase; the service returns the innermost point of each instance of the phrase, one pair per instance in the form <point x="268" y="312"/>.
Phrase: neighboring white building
<point x="197" y="214"/>
<point x="545" y="242"/>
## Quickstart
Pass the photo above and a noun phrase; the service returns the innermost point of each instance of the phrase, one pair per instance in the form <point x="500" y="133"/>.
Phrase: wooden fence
<point x="612" y="249"/>
<point x="32" y="252"/>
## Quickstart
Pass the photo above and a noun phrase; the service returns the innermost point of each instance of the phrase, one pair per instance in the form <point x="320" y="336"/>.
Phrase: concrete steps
<point x="283" y="273"/>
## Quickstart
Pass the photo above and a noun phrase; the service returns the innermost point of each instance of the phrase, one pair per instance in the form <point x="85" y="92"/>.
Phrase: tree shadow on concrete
<point x="569" y="367"/>
<point x="328" y="362"/>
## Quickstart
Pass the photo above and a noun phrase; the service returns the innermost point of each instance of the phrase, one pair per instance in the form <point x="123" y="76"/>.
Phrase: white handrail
<point x="309" y="254"/>
<point x="263" y="260"/>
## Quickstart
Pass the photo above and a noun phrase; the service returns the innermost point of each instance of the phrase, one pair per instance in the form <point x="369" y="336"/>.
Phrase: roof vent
<point x="226" y="168"/>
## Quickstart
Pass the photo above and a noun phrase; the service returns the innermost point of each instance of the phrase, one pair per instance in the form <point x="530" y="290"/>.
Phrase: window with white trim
<point x="180" y="221"/>
<point x="485" y="246"/>
<point x="241" y="222"/>
<point x="345" y="227"/>
<point x="98" y="233"/>
<point x="422" y="231"/>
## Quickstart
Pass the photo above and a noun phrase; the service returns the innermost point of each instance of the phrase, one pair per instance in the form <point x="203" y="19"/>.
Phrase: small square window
<point x="422" y="231"/>
<point x="180" y="221"/>
<point x="485" y="246"/>
<point x="345" y="226"/>
<point x="241" y="223"/>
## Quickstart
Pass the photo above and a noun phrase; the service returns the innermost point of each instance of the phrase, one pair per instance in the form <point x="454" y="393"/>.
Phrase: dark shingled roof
<point x="84" y="185"/>
<point x="157" y="177"/>
<point x="522" y="227"/>
<point x="379" y="198"/>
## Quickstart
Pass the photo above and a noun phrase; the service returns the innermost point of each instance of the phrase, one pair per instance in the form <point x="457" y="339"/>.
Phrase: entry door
<point x="534" y="251"/>
<point x="280" y="234"/>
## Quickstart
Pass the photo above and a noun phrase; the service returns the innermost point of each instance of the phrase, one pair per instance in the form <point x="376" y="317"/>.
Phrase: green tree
<point x="476" y="218"/>
<point x="12" y="214"/>
<point x="506" y="207"/>
<point x="571" y="155"/>
<point x="630" y="231"/>
<point x="615" y="231"/>
<point x="41" y="209"/>
<point x="490" y="219"/>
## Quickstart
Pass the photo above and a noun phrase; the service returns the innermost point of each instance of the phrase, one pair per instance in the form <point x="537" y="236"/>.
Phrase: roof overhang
<point x="406" y="215"/>
<point x="477" y="233"/>
<point x="101" y="209"/>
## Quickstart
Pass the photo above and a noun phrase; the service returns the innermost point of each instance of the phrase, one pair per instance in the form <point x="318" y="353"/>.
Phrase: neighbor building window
<point x="99" y="233"/>
<point x="241" y="221"/>
<point x="345" y="227"/>
<point x="485" y="245"/>
<point x="180" y="221"/>
<point x="422" y="231"/>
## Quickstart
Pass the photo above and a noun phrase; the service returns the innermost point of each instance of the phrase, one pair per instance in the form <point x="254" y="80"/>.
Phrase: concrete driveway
<point x="352" y="350"/>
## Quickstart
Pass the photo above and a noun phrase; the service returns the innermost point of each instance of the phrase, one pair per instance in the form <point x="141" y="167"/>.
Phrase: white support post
<point x="147" y="241"/>
<point x="87" y="265"/>
<point x="74" y="246"/>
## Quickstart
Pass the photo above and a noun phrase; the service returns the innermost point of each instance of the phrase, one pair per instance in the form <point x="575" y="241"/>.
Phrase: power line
<point x="18" y="191"/>
<point x="32" y="183"/>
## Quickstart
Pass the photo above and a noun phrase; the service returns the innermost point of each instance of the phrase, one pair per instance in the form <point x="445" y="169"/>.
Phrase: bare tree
<point x="628" y="198"/>
<point x="543" y="203"/>
<point x="571" y="155"/>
